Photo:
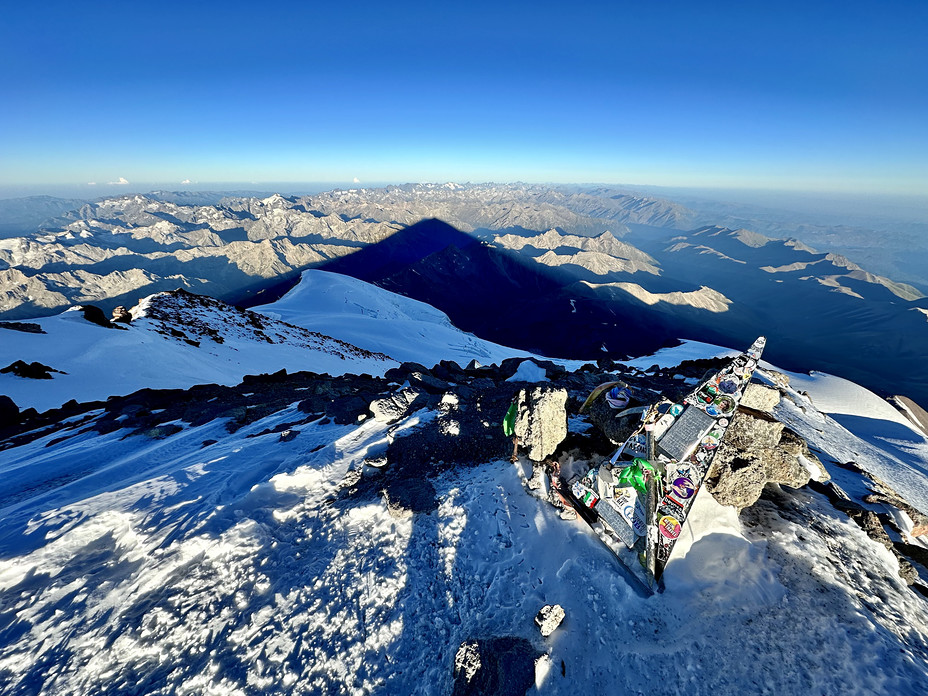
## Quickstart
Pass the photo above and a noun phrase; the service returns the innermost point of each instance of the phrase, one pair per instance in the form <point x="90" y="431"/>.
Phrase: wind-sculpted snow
<point x="246" y="562"/>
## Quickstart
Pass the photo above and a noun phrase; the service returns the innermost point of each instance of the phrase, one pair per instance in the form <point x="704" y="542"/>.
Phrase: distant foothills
<point x="566" y="271"/>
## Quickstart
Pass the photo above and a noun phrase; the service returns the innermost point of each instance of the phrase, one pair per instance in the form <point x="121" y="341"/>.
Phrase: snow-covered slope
<point x="244" y="563"/>
<point x="327" y="323"/>
<point x="383" y="321"/>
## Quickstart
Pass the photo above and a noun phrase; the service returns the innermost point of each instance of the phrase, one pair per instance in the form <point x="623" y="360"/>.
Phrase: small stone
<point x="549" y="618"/>
<point x="288" y="435"/>
<point x="467" y="661"/>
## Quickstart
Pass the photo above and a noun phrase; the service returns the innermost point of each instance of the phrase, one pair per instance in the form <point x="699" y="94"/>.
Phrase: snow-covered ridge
<point x="327" y="323"/>
<point x="294" y="554"/>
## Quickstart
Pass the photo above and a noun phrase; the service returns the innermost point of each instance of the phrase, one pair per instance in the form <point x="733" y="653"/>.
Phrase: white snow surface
<point x="529" y="371"/>
<point x="382" y="321"/>
<point x="100" y="362"/>
<point x="168" y="567"/>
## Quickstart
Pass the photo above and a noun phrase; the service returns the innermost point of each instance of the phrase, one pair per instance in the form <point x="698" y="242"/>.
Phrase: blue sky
<point x="820" y="96"/>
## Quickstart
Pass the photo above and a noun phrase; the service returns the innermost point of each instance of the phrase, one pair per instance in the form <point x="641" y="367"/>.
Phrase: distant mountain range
<point x="563" y="271"/>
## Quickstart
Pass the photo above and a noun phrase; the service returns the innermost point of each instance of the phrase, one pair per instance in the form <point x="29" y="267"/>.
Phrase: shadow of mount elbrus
<point x="504" y="296"/>
<point x="507" y="297"/>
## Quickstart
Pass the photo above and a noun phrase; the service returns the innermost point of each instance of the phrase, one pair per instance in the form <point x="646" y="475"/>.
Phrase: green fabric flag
<point x="633" y="475"/>
<point x="509" y="422"/>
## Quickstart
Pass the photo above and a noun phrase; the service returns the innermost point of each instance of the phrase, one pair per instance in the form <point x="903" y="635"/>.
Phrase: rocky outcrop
<point x="541" y="422"/>
<point x="121" y="316"/>
<point x="758" y="450"/>
<point x="760" y="398"/>
<point x="33" y="370"/>
<point x="498" y="666"/>
<point x="9" y="411"/>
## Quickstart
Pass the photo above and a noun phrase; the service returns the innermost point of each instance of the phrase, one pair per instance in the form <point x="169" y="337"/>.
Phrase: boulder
<point x="760" y="398"/>
<point x="757" y="450"/>
<point x="33" y="370"/>
<point x="121" y="316"/>
<point x="541" y="422"/>
<point x="95" y="315"/>
<point x="288" y="435"/>
<point x="393" y="407"/>
<point x="9" y="411"/>
<point x="739" y="470"/>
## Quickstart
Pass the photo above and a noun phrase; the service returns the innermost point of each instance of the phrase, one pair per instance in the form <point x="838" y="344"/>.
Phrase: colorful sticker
<point x="683" y="488"/>
<point x="722" y="406"/>
<point x="709" y="442"/>
<point x="629" y="506"/>
<point x="669" y="527"/>
<point x="670" y="506"/>
<point x="676" y="410"/>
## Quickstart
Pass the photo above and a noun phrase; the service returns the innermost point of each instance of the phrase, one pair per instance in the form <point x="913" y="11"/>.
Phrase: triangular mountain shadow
<point x="506" y="297"/>
<point x="400" y="250"/>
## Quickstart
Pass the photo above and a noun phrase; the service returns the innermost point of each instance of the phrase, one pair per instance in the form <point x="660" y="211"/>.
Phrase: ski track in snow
<point x="160" y="567"/>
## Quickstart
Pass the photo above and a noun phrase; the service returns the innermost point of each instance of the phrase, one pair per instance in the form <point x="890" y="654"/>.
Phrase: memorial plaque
<point x="685" y="433"/>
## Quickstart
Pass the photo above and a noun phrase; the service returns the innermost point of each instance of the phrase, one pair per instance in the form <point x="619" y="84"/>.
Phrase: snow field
<point x="166" y="567"/>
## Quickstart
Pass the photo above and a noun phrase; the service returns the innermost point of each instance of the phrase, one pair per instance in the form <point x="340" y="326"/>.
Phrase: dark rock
<point x="427" y="382"/>
<point x="497" y="666"/>
<point x="919" y="554"/>
<point x="509" y="367"/>
<point x="33" y="370"/>
<point x="347" y="409"/>
<point x="395" y="406"/>
<point x="264" y="378"/>
<point x="871" y="524"/>
<point x="889" y="497"/>
<point x="482" y="383"/>
<point x="162" y="431"/>
<point x="9" y="411"/>
<point x="25" y="327"/>
<point x="95" y="315"/>
<point x="288" y="435"/>
<point x="408" y="496"/>
<point x="451" y="371"/>
<point x="207" y="443"/>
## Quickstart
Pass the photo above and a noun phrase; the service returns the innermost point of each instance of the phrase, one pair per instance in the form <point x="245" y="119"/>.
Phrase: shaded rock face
<point x="757" y="451"/>
<point x="495" y="667"/>
<point x="33" y="370"/>
<point x="541" y="423"/>
<point x="95" y="315"/>
<point x="9" y="411"/>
